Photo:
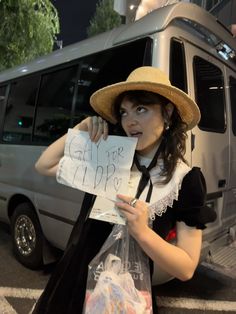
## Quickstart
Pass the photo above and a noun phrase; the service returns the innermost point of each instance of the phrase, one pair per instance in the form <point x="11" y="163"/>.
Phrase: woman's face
<point x="144" y="122"/>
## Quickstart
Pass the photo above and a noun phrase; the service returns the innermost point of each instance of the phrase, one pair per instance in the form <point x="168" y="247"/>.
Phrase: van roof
<point x="190" y="14"/>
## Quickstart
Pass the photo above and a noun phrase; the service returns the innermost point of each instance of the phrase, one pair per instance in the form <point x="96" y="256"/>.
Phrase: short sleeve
<point x="191" y="205"/>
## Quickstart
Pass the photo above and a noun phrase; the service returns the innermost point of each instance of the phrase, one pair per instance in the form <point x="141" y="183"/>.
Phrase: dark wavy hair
<point x="174" y="136"/>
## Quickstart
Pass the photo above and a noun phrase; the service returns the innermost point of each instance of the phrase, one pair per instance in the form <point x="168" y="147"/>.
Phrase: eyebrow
<point x="133" y="105"/>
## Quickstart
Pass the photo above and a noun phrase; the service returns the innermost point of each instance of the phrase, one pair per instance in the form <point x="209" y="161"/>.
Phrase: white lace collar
<point x="163" y="195"/>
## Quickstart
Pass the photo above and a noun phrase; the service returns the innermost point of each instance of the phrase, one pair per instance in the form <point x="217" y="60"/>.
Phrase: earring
<point x="166" y="125"/>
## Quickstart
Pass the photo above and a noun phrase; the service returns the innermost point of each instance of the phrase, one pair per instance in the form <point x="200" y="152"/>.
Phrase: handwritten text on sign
<point x="101" y="168"/>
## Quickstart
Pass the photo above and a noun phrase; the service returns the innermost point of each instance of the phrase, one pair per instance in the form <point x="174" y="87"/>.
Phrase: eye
<point x="141" y="109"/>
<point x="122" y="112"/>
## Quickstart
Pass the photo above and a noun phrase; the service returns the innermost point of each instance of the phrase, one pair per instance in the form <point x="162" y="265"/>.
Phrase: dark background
<point x="74" y="16"/>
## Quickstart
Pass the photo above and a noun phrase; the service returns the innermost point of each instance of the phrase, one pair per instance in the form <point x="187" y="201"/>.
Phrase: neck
<point x="151" y="153"/>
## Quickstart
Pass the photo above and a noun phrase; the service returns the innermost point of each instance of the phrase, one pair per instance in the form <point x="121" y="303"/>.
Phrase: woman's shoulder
<point x="193" y="186"/>
<point x="195" y="172"/>
<point x="191" y="204"/>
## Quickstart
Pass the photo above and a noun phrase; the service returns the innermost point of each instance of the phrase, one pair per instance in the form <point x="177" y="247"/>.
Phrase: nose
<point x="131" y="119"/>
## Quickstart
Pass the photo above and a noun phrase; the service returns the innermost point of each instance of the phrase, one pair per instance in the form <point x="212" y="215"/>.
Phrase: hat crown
<point x="148" y="74"/>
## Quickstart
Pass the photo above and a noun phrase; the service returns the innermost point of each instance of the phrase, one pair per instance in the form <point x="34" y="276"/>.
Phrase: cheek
<point x="157" y="125"/>
<point x="161" y="124"/>
<point x="156" y="133"/>
<point x="122" y="123"/>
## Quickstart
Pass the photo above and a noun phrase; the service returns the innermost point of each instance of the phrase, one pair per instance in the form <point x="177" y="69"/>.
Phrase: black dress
<point x="65" y="291"/>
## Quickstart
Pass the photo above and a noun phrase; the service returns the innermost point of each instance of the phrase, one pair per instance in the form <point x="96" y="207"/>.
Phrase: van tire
<point x="27" y="236"/>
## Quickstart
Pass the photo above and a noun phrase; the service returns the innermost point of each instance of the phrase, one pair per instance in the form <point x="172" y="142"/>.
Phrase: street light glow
<point x="147" y="6"/>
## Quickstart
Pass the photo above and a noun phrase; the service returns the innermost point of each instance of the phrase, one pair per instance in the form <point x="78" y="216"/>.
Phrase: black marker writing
<point x="114" y="154"/>
<point x="96" y="165"/>
<point x="110" y="171"/>
<point x="98" y="176"/>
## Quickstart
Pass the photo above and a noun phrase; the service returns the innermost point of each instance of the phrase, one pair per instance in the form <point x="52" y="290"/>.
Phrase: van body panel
<point x="211" y="152"/>
<point x="229" y="213"/>
<point x="44" y="192"/>
<point x="214" y="160"/>
<point x="160" y="19"/>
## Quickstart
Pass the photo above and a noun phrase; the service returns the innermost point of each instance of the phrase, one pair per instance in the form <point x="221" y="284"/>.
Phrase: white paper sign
<point x="104" y="209"/>
<point x="101" y="168"/>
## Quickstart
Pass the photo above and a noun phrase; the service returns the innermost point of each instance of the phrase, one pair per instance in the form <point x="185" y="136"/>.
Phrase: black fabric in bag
<point x="65" y="291"/>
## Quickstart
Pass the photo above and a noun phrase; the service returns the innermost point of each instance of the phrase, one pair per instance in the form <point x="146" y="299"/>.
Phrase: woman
<point x="162" y="186"/>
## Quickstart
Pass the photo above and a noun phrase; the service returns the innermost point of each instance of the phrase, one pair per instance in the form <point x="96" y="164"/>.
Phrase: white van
<point x="40" y="100"/>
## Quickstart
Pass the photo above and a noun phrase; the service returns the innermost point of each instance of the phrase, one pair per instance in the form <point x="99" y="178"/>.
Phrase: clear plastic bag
<point x="119" y="277"/>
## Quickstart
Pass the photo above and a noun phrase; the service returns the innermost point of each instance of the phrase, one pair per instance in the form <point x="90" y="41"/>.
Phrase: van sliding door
<point x="229" y="213"/>
<point x="210" y="139"/>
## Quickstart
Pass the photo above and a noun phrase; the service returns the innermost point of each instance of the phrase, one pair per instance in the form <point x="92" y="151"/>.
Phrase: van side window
<point x="19" y="113"/>
<point x="232" y="89"/>
<point x="2" y="100"/>
<point x="54" y="104"/>
<point x="178" y="65"/>
<point x="41" y="107"/>
<point x="108" y="67"/>
<point x="209" y="94"/>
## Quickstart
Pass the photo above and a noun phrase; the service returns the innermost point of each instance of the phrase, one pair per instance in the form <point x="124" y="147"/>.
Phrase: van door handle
<point x="221" y="183"/>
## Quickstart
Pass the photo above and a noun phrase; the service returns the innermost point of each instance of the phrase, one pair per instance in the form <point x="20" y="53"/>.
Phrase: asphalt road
<point x="19" y="287"/>
<point x="209" y="291"/>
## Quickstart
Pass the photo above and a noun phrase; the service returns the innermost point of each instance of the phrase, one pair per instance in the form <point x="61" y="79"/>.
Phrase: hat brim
<point x="103" y="100"/>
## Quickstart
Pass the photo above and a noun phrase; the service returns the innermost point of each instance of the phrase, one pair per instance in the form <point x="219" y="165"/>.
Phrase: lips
<point x="135" y="134"/>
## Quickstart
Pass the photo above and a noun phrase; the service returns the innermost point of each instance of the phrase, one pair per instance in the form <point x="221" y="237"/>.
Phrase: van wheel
<point x="27" y="236"/>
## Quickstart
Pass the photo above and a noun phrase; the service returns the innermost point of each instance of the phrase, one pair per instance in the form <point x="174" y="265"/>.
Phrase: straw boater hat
<point x="148" y="79"/>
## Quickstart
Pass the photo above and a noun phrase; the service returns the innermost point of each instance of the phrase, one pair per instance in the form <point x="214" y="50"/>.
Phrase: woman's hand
<point x="95" y="126"/>
<point x="179" y="260"/>
<point x="136" y="215"/>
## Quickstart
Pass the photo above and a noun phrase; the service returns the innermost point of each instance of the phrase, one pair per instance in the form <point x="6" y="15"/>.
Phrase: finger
<point x="94" y="127"/>
<point x="124" y="198"/>
<point x="123" y="206"/>
<point x="100" y="129"/>
<point x="90" y="126"/>
<point x="126" y="215"/>
<point x="105" y="130"/>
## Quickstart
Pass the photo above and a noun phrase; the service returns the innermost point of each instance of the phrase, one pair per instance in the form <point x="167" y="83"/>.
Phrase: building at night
<point x="224" y="10"/>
